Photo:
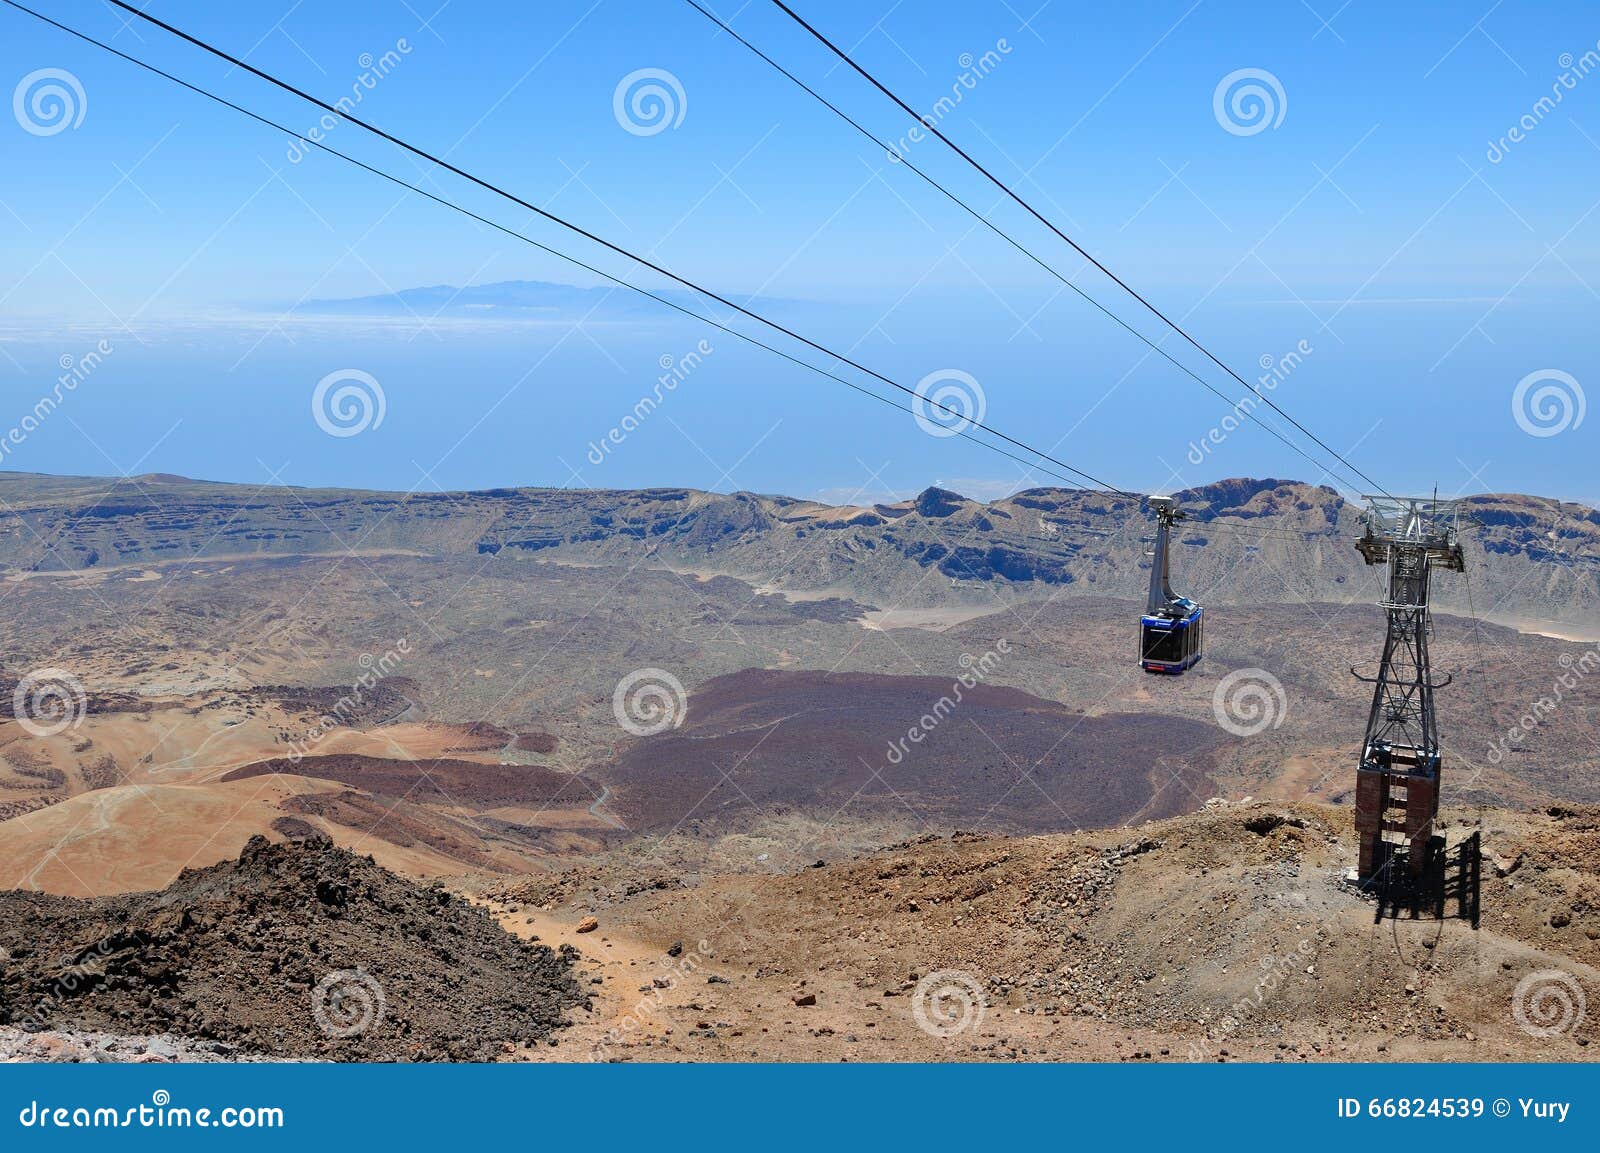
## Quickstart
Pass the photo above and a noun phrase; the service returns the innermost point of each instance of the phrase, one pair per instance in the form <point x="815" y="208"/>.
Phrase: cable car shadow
<point x="1447" y="887"/>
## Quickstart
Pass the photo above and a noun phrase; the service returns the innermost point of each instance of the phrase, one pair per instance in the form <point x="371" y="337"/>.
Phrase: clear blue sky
<point x="1370" y="222"/>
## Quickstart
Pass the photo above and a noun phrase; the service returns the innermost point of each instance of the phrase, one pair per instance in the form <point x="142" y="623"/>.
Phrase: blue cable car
<point x="1172" y="630"/>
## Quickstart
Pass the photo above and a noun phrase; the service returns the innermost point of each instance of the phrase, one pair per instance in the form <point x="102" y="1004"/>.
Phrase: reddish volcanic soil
<point x="438" y="781"/>
<point x="999" y="759"/>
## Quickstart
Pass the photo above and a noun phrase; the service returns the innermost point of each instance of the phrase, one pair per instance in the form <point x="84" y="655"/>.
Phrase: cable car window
<point x="1164" y="644"/>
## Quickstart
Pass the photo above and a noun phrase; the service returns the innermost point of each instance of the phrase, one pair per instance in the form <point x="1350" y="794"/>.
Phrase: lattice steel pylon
<point x="1397" y="781"/>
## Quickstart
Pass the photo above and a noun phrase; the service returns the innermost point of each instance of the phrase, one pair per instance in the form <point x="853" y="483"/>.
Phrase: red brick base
<point x="1421" y="810"/>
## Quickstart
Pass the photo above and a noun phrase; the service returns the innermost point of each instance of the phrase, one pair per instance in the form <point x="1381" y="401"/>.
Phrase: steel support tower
<point x="1397" y="781"/>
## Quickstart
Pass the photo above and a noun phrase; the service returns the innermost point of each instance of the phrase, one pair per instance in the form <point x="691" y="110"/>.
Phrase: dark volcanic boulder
<point x="295" y="950"/>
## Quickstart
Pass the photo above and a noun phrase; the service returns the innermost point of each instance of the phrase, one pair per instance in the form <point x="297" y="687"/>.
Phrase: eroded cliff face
<point x="1247" y="539"/>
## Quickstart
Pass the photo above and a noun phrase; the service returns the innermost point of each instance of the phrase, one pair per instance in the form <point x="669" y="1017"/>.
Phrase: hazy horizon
<point x="1375" y="254"/>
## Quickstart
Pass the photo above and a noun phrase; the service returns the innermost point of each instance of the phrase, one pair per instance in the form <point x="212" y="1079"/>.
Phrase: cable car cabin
<point x="1172" y="644"/>
<point x="1172" y="631"/>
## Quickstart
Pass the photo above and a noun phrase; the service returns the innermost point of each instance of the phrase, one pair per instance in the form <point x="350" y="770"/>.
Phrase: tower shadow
<point x="1447" y="886"/>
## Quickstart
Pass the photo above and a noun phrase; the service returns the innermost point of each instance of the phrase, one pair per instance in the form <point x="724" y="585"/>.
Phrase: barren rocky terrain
<point x="1227" y="934"/>
<point x="197" y="673"/>
<point x="1230" y="934"/>
<point x="1249" y="540"/>
<point x="294" y="950"/>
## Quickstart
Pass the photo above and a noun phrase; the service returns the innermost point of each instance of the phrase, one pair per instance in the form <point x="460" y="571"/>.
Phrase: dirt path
<point x="153" y="566"/>
<point x="637" y="987"/>
<point x="934" y="619"/>
<point x="594" y="809"/>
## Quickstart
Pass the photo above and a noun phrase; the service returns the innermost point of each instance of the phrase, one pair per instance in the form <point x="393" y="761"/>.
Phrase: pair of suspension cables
<point x="978" y="431"/>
